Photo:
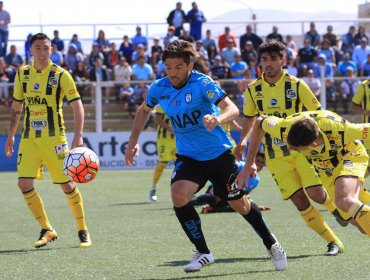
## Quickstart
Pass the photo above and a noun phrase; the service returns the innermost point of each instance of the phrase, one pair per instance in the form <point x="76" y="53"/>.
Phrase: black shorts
<point x="221" y="171"/>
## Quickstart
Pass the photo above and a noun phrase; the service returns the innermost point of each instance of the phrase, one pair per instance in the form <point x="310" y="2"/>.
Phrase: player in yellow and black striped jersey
<point x="333" y="146"/>
<point x="40" y="88"/>
<point x="166" y="148"/>
<point x="279" y="94"/>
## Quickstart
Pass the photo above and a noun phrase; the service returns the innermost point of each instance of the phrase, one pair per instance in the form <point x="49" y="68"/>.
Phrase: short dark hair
<point x="272" y="46"/>
<point x="303" y="133"/>
<point x="39" y="36"/>
<point x="180" y="49"/>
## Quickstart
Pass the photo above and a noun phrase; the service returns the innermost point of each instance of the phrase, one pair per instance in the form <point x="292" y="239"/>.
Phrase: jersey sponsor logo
<point x="272" y="123"/>
<point x="314" y="100"/>
<point x="164" y="97"/>
<point x="176" y="103"/>
<point x="36" y="86"/>
<point x="347" y="163"/>
<point x="188" y="97"/>
<point x="279" y="142"/>
<point x="313" y="152"/>
<point x="52" y="81"/>
<point x="39" y="124"/>
<point x="210" y="94"/>
<point x="205" y="82"/>
<point x="73" y="91"/>
<point x="291" y="94"/>
<point x="182" y="121"/>
<point x="60" y="149"/>
<point x="34" y="113"/>
<point x="36" y="100"/>
<point x="273" y="102"/>
<point x="365" y="133"/>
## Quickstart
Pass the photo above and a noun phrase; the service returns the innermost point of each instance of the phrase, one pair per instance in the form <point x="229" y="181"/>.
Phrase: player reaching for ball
<point x="42" y="87"/>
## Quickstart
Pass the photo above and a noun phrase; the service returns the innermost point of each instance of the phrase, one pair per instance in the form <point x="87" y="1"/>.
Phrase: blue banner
<point x="8" y="164"/>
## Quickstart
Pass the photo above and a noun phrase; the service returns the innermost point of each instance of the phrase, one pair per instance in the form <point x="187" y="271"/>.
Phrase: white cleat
<point x="278" y="256"/>
<point x="198" y="261"/>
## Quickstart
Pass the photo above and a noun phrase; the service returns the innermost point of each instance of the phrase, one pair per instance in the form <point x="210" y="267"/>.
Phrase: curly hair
<point x="180" y="49"/>
<point x="272" y="46"/>
<point x="303" y="133"/>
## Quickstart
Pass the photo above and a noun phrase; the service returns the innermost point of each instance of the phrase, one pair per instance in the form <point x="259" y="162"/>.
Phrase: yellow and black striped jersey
<point x="43" y="93"/>
<point x="362" y="98"/>
<point x="340" y="136"/>
<point x="162" y="133"/>
<point x="286" y="97"/>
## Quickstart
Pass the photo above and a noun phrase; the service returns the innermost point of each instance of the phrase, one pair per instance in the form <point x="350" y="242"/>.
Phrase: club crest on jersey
<point x="36" y="86"/>
<point x="273" y="102"/>
<point x="347" y="163"/>
<point x="210" y="94"/>
<point x="59" y="149"/>
<point x="291" y="94"/>
<point x="52" y="81"/>
<point x="279" y="142"/>
<point x="188" y="97"/>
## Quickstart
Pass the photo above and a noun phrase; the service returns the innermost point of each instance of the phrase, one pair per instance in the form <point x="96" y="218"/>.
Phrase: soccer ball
<point x="81" y="165"/>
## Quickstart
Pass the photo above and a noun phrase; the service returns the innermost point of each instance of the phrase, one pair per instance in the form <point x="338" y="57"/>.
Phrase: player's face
<point x="178" y="71"/>
<point x="272" y="64"/>
<point x="41" y="50"/>
<point x="260" y="162"/>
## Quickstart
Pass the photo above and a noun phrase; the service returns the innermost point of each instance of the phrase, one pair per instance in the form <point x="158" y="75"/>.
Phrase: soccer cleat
<point x="277" y="255"/>
<point x="339" y="218"/>
<point x="335" y="249"/>
<point x="46" y="236"/>
<point x="84" y="237"/>
<point x="198" y="261"/>
<point x="153" y="194"/>
<point x="207" y="209"/>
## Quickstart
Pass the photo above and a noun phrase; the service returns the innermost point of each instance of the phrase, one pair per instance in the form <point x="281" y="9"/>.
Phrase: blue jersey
<point x="185" y="108"/>
<point x="252" y="182"/>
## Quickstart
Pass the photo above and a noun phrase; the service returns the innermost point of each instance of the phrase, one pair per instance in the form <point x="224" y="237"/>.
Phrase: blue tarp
<point x="8" y="164"/>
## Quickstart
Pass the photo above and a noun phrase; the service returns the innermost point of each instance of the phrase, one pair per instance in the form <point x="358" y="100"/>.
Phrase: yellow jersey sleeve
<point x="249" y="107"/>
<point x="309" y="100"/>
<point x="356" y="131"/>
<point x="18" y="93"/>
<point x="275" y="126"/>
<point x="358" y="98"/>
<point x="68" y="87"/>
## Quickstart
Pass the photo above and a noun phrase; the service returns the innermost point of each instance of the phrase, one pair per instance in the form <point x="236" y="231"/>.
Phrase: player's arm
<point x="229" y="112"/>
<point x="250" y="168"/>
<point x="159" y="121"/>
<point x="357" y="99"/>
<point x="141" y="118"/>
<point x="78" y="115"/>
<point x="15" y="115"/>
<point x="247" y="126"/>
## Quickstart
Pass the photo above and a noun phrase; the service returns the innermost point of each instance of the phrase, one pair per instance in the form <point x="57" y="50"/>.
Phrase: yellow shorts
<point x="34" y="153"/>
<point x="291" y="173"/>
<point x="352" y="164"/>
<point x="166" y="149"/>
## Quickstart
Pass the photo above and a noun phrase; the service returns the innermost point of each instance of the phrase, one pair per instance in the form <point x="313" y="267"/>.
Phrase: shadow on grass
<point x="130" y="203"/>
<point x="22" y="251"/>
<point x="210" y="276"/>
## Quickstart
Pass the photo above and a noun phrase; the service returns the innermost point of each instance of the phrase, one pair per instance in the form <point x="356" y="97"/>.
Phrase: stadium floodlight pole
<point x="98" y="106"/>
<point x="254" y="16"/>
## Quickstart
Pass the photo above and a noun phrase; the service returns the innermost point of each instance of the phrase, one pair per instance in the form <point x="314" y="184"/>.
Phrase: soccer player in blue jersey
<point x="192" y="101"/>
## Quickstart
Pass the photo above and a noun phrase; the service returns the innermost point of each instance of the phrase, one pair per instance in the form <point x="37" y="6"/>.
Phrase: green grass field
<point x="135" y="239"/>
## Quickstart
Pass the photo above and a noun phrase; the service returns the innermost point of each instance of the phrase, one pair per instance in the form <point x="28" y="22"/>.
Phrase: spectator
<point x="306" y="57"/>
<point x="77" y="43"/>
<point x="202" y="64"/>
<point x="291" y="67"/>
<point x="291" y="44"/>
<point x="81" y="76"/>
<point x="156" y="51"/>
<point x="212" y="52"/>
<point x="142" y="70"/>
<point x="348" y="40"/>
<point x="140" y="91"/>
<point x="323" y="68"/>
<point x="196" y="19"/>
<point x="126" y="95"/>
<point x="208" y="41"/>
<point x="275" y="35"/>
<point x="139" y="38"/>
<point x="94" y="54"/>
<point x="99" y="71"/>
<point x="14" y="60"/>
<point x="187" y="37"/>
<point x="365" y="68"/>
<point x="250" y="36"/>
<point x="160" y="69"/>
<point x="361" y="33"/>
<point x="200" y="49"/>
<point x="58" y="42"/>
<point x="126" y="49"/>
<point x="27" y="48"/>
<point x="254" y="69"/>
<point x="313" y="36"/>
<point x="112" y="56"/>
<point x="219" y="70"/>
<point x="56" y="56"/>
<point x="360" y="53"/>
<point x="224" y="38"/>
<point x="330" y="36"/>
<point x="240" y="98"/>
<point x="170" y="37"/>
<point x="122" y="72"/>
<point x="102" y="42"/>
<point x="328" y="51"/>
<point x="238" y="68"/>
<point x="348" y="88"/>
<point x="4" y="31"/>
<point x="344" y="64"/>
<point x="4" y="89"/>
<point x="177" y="18"/>
<point x="229" y="52"/>
<point x="313" y="83"/>
<point x="249" y="53"/>
<point x="140" y="51"/>
<point x="72" y="58"/>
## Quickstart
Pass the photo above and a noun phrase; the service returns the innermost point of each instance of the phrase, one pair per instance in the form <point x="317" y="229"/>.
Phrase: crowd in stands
<point x="227" y="56"/>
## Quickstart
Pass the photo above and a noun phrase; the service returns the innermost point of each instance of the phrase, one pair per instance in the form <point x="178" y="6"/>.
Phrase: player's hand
<point x="130" y="153"/>
<point x="239" y="151"/>
<point x="210" y="121"/>
<point x="243" y="176"/>
<point x="77" y="142"/>
<point x="9" y="146"/>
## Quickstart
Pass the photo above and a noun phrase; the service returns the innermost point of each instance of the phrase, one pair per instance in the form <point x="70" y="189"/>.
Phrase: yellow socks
<point x="361" y="213"/>
<point x="158" y="172"/>
<point x="315" y="221"/>
<point x="76" y="204"/>
<point x="328" y="204"/>
<point x="35" y="204"/>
